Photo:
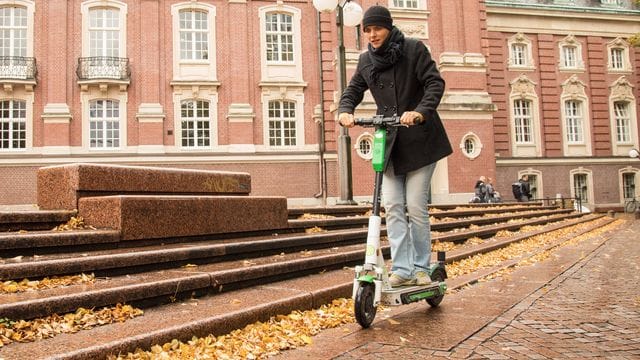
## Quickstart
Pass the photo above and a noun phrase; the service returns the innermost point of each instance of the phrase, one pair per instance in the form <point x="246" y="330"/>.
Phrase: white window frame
<point x="106" y="34"/>
<point x="11" y="122"/>
<point x="196" y="34"/>
<point x="286" y="93"/>
<point x="622" y="91"/>
<point x="520" y="40"/>
<point x="636" y="182"/>
<point x="622" y="121"/>
<point x="574" y="92"/>
<point x="618" y="65"/>
<point x="17" y="32"/>
<point x="200" y="70"/>
<point x="574" y="121"/>
<point x="196" y="120"/>
<point x="105" y="121"/>
<point x="13" y="69"/>
<point x="583" y="192"/>
<point x="470" y="138"/>
<point x="364" y="140"/>
<point x="589" y="183"/>
<point x="570" y="42"/>
<point x="282" y="119"/>
<point x="407" y="4"/>
<point x="186" y="92"/>
<point x="282" y="38"/>
<point x="89" y="5"/>
<point x="272" y="72"/>
<point x="523" y="121"/>
<point x="522" y="88"/>
<point x="111" y="93"/>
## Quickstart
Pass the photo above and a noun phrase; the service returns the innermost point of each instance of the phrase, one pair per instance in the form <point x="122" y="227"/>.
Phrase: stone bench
<point x="156" y="216"/>
<point x="60" y="187"/>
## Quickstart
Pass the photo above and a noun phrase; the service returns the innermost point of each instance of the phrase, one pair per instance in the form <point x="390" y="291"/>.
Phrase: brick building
<point x="251" y="86"/>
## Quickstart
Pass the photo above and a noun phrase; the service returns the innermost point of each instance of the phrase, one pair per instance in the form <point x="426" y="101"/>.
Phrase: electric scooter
<point x="371" y="284"/>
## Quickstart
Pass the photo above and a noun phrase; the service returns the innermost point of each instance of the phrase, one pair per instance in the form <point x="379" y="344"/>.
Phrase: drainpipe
<point x="320" y="120"/>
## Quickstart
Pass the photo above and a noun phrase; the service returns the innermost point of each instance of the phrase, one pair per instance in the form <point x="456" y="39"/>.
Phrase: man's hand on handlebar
<point x="409" y="118"/>
<point x="346" y="120"/>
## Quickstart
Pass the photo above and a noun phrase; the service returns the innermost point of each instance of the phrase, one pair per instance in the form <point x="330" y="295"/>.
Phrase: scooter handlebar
<point x="378" y="120"/>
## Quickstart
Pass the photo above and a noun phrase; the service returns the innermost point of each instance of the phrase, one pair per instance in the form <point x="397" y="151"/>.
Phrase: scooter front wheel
<point x="438" y="275"/>
<point x="365" y="312"/>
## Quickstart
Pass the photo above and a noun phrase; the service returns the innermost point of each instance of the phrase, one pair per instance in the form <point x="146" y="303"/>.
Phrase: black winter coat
<point x="412" y="84"/>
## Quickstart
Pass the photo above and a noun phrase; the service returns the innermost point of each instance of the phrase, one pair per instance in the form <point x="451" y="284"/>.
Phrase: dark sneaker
<point x="398" y="281"/>
<point x="422" y="278"/>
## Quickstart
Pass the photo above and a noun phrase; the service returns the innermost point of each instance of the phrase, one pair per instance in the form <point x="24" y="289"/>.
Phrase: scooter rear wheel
<point x="438" y="276"/>
<point x="365" y="312"/>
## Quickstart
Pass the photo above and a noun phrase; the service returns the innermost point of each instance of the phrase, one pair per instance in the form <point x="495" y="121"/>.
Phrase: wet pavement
<point x="582" y="302"/>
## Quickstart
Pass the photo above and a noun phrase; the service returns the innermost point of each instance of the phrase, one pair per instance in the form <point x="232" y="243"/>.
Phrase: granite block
<point x="60" y="187"/>
<point x="155" y="216"/>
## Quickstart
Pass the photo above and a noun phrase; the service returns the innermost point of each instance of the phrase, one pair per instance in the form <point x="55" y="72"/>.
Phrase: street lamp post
<point x="348" y="13"/>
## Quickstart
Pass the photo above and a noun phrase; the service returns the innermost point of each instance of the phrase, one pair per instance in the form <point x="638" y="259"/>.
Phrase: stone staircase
<point x="214" y="278"/>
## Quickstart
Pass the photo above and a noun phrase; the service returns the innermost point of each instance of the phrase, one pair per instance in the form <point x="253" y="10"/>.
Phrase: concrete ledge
<point x="152" y="217"/>
<point x="60" y="187"/>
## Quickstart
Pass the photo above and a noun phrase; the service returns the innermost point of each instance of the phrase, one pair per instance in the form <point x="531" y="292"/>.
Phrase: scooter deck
<point x="412" y="293"/>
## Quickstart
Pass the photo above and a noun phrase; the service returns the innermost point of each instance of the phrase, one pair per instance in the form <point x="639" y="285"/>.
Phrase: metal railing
<point x="103" y="67"/>
<point x="562" y="202"/>
<point x="17" y="67"/>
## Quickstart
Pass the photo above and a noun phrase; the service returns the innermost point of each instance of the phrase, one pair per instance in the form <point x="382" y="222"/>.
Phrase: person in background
<point x="492" y="195"/>
<point x="525" y="189"/>
<point x="480" y="191"/>
<point x="404" y="80"/>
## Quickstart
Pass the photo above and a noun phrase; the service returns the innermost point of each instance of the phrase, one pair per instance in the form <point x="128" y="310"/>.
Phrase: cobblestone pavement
<point x="587" y="306"/>
<point x="591" y="311"/>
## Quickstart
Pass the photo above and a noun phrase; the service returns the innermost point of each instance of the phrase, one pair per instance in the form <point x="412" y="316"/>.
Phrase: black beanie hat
<point x="377" y="15"/>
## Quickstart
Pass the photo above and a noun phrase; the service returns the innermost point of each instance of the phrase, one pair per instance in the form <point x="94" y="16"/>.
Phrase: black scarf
<point x="386" y="55"/>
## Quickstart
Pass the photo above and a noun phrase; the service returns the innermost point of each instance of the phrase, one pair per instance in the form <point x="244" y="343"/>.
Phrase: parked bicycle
<point x="631" y="205"/>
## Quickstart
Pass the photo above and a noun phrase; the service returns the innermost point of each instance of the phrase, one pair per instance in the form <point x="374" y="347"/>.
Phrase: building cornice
<point x="532" y="18"/>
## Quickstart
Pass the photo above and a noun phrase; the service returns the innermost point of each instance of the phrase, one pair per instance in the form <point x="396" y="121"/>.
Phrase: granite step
<point x="217" y="315"/>
<point x="347" y="222"/>
<point x="128" y="259"/>
<point x="490" y="230"/>
<point x="166" y="285"/>
<point x="62" y="186"/>
<point x="153" y="287"/>
<point x="106" y="262"/>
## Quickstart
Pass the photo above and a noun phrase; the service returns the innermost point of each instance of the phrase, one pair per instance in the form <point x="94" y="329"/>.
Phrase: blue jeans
<point x="409" y="236"/>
